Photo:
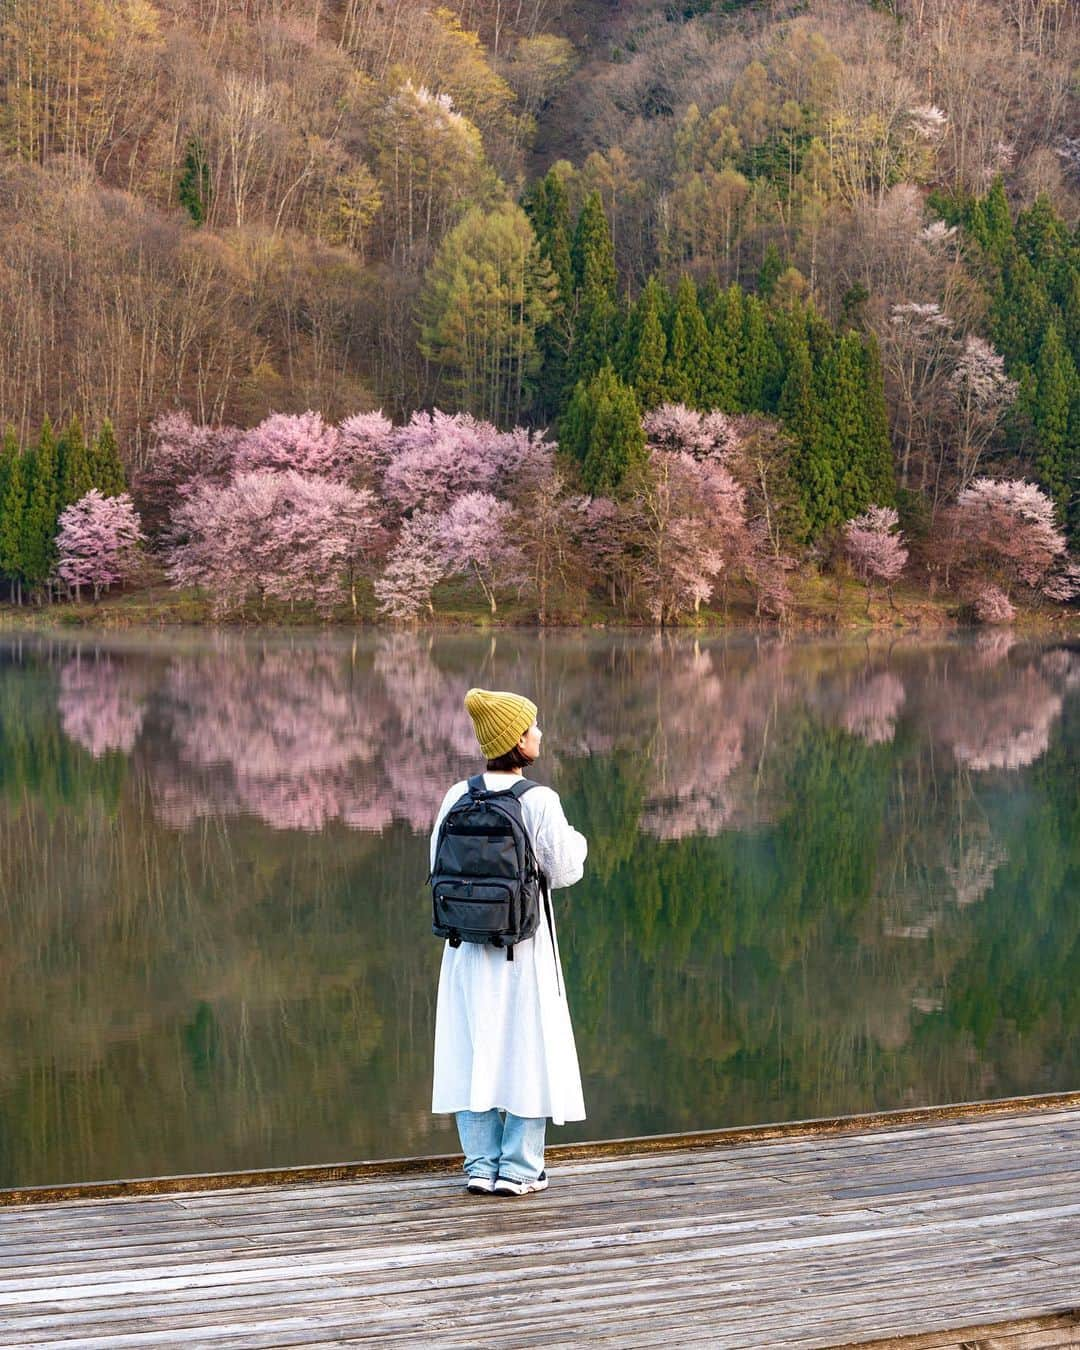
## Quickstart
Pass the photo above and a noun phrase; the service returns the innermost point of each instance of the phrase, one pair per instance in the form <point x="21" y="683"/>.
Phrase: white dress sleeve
<point x="560" y="849"/>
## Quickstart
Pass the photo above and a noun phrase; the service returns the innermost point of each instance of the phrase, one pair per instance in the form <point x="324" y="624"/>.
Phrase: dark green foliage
<point x="602" y="429"/>
<point x="76" y="464"/>
<point x="108" y="468"/>
<point x="193" y="189"/>
<point x="690" y="355"/>
<point x="42" y="509"/>
<point x="1032" y="272"/>
<point x="645" y="347"/>
<point x="549" y="211"/>
<point x="592" y="258"/>
<point x="757" y="357"/>
<point x="772" y="268"/>
<point x="12" y="508"/>
<point x="725" y="319"/>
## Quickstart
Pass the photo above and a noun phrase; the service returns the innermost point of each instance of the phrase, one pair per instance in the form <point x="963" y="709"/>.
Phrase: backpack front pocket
<point x="480" y="908"/>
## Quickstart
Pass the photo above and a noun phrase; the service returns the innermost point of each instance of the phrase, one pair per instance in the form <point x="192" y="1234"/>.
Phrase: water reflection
<point x="823" y="877"/>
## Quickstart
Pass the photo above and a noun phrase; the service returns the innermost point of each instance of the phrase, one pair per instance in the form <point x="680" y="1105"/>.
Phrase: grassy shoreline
<point x="820" y="605"/>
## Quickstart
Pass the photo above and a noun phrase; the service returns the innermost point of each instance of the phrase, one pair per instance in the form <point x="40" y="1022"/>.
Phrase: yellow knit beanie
<point x="499" y="719"/>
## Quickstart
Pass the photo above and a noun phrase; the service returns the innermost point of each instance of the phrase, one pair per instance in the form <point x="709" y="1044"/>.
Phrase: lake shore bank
<point x="821" y="605"/>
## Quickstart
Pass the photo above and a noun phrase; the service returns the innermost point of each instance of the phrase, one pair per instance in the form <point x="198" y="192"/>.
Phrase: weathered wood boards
<point x="813" y="1241"/>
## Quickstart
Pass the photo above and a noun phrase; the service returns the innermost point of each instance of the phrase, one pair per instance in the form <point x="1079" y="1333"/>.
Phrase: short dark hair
<point x="515" y="758"/>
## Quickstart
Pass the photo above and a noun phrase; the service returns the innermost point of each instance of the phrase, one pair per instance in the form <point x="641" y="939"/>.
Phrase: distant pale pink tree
<point x="183" y="456"/>
<point x="992" y="605"/>
<point x="98" y="542"/>
<point x="1007" y="526"/>
<point x="279" y="535"/>
<point x="688" y="525"/>
<point x="876" y="553"/>
<point x="367" y="441"/>
<point x="477" y="535"/>
<point x="415" y="565"/>
<point x="437" y="457"/>
<point x="677" y="428"/>
<point x="299" y="441"/>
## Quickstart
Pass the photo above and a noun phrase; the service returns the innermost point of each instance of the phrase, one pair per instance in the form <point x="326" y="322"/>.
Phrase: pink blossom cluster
<point x="876" y="553"/>
<point x="98" y="542"/>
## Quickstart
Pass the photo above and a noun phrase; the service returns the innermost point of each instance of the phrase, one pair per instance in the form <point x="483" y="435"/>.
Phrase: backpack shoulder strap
<point x="476" y="785"/>
<point x="520" y="788"/>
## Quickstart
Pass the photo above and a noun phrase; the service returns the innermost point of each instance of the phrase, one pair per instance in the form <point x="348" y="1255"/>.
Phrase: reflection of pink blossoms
<point x="98" y="707"/>
<point x="1008" y="729"/>
<point x="871" y="710"/>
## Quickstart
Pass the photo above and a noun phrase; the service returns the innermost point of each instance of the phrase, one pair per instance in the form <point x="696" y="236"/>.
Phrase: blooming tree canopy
<point x="875" y="552"/>
<point x="98" y="542"/>
<point x="1009" y="524"/>
<point x="279" y="535"/>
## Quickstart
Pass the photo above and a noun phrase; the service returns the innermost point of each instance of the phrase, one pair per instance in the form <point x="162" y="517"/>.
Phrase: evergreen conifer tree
<point x="42" y="509"/>
<point x="1056" y="395"/>
<point x="602" y="428"/>
<point x="12" y="512"/>
<point x="757" y="356"/>
<point x="725" y="320"/>
<point x="772" y="269"/>
<point x="549" y="210"/>
<point x="592" y="257"/>
<point x="798" y="410"/>
<point x="691" y="353"/>
<point x="75" y="465"/>
<point x="646" y="347"/>
<point x="108" y="467"/>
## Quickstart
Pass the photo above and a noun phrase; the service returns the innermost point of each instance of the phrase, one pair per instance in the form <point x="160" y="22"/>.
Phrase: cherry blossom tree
<point x="366" y="441"/>
<point x="280" y="535"/>
<point x="414" y="566"/>
<point x="675" y="427"/>
<point x="875" y="552"/>
<point x="183" y="455"/>
<point x="992" y="605"/>
<point x="1007" y="526"/>
<point x="437" y="457"/>
<point x="302" y="442"/>
<point x="98" y="542"/>
<point x="478" y="538"/>
<point x="982" y="394"/>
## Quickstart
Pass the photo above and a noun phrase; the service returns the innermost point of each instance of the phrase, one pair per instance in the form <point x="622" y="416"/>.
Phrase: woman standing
<point x="505" y="1058"/>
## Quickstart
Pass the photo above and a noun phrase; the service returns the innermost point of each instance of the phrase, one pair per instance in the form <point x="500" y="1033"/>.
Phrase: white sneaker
<point x="507" y="1186"/>
<point x="481" y="1185"/>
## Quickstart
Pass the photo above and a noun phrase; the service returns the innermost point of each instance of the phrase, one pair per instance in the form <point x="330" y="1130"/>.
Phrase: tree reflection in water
<point x="823" y="876"/>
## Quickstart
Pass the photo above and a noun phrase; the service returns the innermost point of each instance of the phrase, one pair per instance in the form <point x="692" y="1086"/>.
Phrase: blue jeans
<point x="513" y="1148"/>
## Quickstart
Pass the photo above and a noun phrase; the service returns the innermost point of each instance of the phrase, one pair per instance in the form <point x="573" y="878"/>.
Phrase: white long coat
<point x="502" y="1028"/>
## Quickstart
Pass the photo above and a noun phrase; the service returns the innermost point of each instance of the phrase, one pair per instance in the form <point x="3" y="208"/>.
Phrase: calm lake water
<point x="823" y="877"/>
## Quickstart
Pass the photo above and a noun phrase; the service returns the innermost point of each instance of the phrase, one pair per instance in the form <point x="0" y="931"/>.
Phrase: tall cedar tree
<point x="108" y="468"/>
<point x="592" y="258"/>
<point x="725" y="319"/>
<point x="12" y="510"/>
<point x="602" y="429"/>
<point x="644" y="347"/>
<point x="76" y="465"/>
<point x="548" y="208"/>
<point x="690" y="350"/>
<point x="42" y="509"/>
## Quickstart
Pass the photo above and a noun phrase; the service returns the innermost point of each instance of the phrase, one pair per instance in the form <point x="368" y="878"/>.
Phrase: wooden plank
<point x="871" y="1233"/>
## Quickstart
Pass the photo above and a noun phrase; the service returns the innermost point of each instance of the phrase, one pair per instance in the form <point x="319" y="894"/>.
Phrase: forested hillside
<point x="855" y="221"/>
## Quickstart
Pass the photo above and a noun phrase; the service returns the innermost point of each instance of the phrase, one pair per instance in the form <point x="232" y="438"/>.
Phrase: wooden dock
<point x="957" y="1231"/>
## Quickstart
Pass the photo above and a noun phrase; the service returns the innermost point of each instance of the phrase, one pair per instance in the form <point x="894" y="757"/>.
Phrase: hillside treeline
<point x="236" y="208"/>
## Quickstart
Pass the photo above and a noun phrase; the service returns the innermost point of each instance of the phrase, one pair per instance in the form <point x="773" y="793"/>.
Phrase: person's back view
<point x="505" y="1058"/>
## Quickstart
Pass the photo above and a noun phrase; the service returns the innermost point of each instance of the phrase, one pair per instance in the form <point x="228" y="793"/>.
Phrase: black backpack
<point x="486" y="884"/>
